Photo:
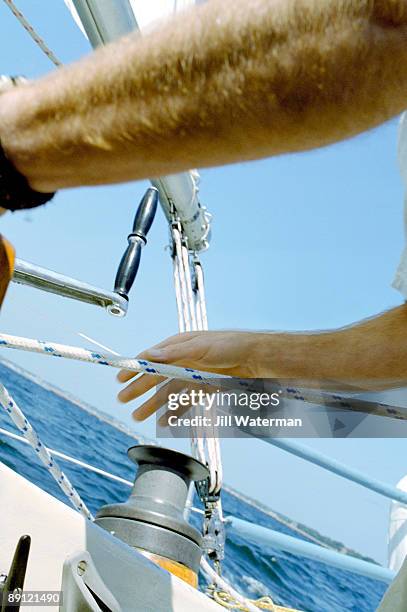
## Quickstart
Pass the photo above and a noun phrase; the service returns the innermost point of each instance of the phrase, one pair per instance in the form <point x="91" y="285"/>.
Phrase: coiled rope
<point x="218" y="581"/>
<point x="224" y="599"/>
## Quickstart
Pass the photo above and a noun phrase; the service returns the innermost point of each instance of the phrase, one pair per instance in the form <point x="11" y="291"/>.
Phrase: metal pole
<point x="304" y="452"/>
<point x="269" y="537"/>
<point x="29" y="274"/>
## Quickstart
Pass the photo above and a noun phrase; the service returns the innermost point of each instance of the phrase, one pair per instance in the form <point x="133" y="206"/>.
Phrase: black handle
<point x="16" y="576"/>
<point x="130" y="261"/>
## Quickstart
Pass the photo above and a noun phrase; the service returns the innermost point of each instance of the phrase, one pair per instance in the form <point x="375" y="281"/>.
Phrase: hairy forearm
<point x="231" y="80"/>
<point x="371" y="354"/>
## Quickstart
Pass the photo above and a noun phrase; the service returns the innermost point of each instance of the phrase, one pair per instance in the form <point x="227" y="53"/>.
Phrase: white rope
<point x="200" y="292"/>
<point x="205" y="445"/>
<point x="70" y="459"/>
<point x="188" y="283"/>
<point x="183" y="305"/>
<point x="54" y="349"/>
<point x="32" y="32"/>
<point x="178" y="296"/>
<point x="187" y="323"/>
<point x="87" y="466"/>
<point x="29" y="433"/>
<point x="212" y="441"/>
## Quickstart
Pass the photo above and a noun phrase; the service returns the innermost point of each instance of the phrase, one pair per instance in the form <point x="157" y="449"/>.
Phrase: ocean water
<point x="254" y="570"/>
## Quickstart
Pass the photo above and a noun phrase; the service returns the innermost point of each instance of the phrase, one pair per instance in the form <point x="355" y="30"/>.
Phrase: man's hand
<point x="370" y="355"/>
<point x="224" y="352"/>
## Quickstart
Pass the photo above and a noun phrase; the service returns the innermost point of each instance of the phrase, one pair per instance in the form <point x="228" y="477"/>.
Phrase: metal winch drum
<point x="152" y="519"/>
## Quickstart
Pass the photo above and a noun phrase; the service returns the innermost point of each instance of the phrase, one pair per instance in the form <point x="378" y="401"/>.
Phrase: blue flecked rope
<point x="138" y="365"/>
<point x="22" y="423"/>
<point x="190" y="374"/>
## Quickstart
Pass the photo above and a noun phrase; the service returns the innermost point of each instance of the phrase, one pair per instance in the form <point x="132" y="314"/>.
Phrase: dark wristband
<point x="15" y="192"/>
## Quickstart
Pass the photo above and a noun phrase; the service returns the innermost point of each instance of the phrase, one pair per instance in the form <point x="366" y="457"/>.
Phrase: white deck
<point x="58" y="531"/>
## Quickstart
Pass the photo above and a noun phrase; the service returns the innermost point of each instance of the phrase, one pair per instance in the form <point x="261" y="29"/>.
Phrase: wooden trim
<point x="7" y="257"/>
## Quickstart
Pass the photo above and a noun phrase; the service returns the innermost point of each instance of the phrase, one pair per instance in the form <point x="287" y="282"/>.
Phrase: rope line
<point x="212" y="441"/>
<point x="42" y="452"/>
<point x="53" y="349"/>
<point x="263" y="603"/>
<point x="204" y="445"/>
<point x="69" y="459"/>
<point x="183" y="304"/>
<point x="33" y="33"/>
<point x="87" y="466"/>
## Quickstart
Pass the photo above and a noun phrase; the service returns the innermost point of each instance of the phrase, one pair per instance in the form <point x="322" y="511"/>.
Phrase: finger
<point x="177" y="353"/>
<point x="159" y="398"/>
<point x="125" y="375"/>
<point x="138" y="387"/>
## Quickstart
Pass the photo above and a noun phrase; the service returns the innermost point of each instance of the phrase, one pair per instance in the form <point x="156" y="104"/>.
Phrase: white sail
<point x="147" y="13"/>
<point x="75" y="15"/>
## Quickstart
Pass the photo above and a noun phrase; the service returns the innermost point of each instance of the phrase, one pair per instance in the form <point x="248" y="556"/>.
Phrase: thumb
<point x="180" y="354"/>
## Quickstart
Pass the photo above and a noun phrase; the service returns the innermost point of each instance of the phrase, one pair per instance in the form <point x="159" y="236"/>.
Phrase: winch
<point x="152" y="519"/>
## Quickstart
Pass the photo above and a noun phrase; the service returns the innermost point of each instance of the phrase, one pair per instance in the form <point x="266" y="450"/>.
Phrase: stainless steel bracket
<point x="29" y="274"/>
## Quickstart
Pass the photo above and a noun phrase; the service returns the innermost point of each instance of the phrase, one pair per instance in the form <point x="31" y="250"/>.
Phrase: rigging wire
<point x="33" y="33"/>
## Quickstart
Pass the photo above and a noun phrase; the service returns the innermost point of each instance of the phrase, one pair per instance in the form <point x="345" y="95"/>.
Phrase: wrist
<point x="300" y="356"/>
<point x="16" y="189"/>
<point x="11" y="120"/>
<point x="272" y="357"/>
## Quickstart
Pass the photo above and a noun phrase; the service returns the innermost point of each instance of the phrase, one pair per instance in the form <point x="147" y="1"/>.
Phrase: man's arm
<point x="371" y="355"/>
<point x="230" y="80"/>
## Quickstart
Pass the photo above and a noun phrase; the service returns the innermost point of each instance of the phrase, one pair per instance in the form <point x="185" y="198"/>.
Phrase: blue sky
<point x="306" y="241"/>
